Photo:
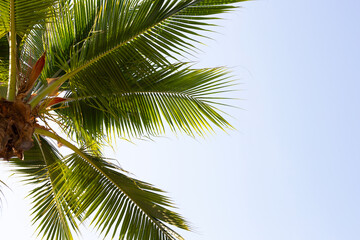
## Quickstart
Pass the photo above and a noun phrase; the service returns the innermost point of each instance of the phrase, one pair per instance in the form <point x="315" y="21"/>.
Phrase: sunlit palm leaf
<point x="175" y="96"/>
<point x="27" y="14"/>
<point x="129" y="48"/>
<point x="120" y="205"/>
<point x="154" y="29"/>
<point x="42" y="166"/>
<point x="139" y="32"/>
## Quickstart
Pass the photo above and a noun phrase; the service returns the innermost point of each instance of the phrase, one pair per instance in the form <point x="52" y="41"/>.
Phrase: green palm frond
<point x="127" y="207"/>
<point x="117" y="204"/>
<point x="130" y="48"/>
<point x="140" y="33"/>
<point x="27" y="14"/>
<point x="87" y="186"/>
<point x="176" y="96"/>
<point x="155" y="30"/>
<point x="43" y="167"/>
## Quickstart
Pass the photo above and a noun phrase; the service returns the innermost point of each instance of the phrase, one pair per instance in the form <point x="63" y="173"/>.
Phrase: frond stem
<point x="52" y="86"/>
<point x="56" y="198"/>
<point x="47" y="90"/>
<point x="11" y="93"/>
<point x="56" y="137"/>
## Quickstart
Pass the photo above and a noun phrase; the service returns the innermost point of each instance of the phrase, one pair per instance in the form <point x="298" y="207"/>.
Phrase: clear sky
<point x="291" y="170"/>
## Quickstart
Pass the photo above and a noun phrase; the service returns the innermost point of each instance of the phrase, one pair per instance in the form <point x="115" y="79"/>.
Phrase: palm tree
<point x="89" y="71"/>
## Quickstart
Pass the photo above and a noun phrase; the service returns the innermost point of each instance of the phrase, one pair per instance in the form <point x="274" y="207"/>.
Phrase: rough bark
<point x="17" y="125"/>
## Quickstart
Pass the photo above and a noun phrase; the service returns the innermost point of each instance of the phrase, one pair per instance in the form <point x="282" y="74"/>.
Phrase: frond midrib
<point x="141" y="33"/>
<point x="58" y="206"/>
<point x="136" y="204"/>
<point x="183" y="95"/>
<point x="85" y="157"/>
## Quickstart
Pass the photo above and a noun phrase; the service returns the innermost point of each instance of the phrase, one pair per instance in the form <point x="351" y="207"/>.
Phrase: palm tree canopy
<point x="99" y="69"/>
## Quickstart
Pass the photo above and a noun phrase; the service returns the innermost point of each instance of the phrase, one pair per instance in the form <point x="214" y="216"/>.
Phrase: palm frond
<point x="176" y="96"/>
<point x="42" y="167"/>
<point x="119" y="205"/>
<point x="127" y="207"/>
<point x="28" y="14"/>
<point x="141" y="33"/>
<point x="155" y="30"/>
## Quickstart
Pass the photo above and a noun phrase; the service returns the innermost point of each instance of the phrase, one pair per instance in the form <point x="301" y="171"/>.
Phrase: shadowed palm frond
<point x="4" y="60"/>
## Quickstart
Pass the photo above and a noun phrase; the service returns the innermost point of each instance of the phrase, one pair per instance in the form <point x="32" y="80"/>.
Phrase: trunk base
<point x="17" y="126"/>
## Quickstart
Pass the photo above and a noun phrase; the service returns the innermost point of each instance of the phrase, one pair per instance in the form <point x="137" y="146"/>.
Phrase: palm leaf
<point x="127" y="207"/>
<point x="42" y="167"/>
<point x="176" y="96"/>
<point x="27" y="14"/>
<point x="130" y="48"/>
<point x="140" y="32"/>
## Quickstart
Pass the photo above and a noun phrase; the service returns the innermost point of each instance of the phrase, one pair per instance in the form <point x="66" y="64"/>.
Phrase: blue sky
<point x="291" y="169"/>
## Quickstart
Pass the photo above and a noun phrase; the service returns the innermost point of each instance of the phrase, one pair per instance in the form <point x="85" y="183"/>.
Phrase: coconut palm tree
<point x="82" y="72"/>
